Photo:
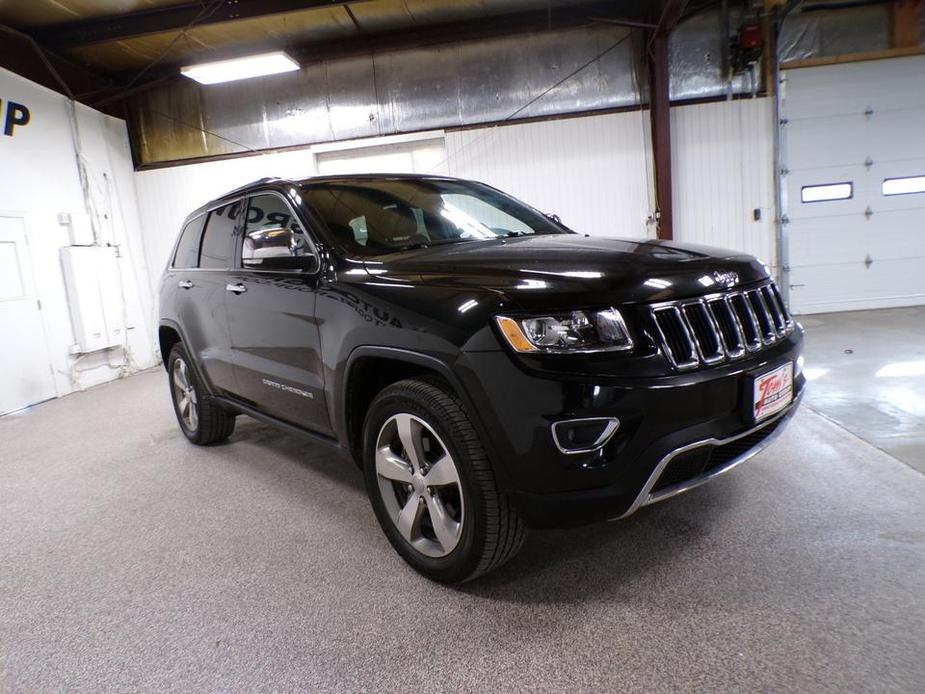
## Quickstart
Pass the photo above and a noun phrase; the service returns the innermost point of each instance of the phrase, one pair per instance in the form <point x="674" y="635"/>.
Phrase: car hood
<point x="548" y="270"/>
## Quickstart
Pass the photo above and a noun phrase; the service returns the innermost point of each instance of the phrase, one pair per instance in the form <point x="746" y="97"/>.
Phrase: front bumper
<point x="675" y="433"/>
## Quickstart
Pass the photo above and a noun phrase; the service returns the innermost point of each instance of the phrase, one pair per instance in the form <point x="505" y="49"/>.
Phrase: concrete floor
<point x="867" y="372"/>
<point x="132" y="560"/>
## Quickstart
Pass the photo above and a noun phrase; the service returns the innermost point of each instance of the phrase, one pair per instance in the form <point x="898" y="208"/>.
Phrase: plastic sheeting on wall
<point x="448" y="86"/>
<point x="822" y="33"/>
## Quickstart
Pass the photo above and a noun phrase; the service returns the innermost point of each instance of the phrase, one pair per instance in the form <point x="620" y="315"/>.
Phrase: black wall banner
<point x="13" y="115"/>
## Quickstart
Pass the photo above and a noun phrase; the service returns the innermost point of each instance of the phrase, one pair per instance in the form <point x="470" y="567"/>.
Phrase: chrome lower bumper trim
<point x="647" y="496"/>
<point x="611" y="424"/>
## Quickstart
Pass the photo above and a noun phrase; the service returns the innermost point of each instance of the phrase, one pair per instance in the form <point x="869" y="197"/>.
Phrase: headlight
<point x="563" y="333"/>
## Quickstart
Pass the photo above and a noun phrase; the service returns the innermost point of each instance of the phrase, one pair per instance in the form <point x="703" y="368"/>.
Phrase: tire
<point x="202" y="419"/>
<point x="459" y="527"/>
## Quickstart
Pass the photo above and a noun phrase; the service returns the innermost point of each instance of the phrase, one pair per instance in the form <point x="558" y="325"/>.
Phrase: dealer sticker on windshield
<point x="773" y="391"/>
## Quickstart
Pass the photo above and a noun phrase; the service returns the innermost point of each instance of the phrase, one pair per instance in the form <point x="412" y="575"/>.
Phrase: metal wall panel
<point x="594" y="171"/>
<point x="695" y="59"/>
<point x="722" y="171"/>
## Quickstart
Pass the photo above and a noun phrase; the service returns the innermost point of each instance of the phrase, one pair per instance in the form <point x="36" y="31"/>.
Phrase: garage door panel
<point x="882" y="171"/>
<point x="851" y="139"/>
<point x="854" y="286"/>
<point x="897" y="234"/>
<point x="852" y="88"/>
<point x="841" y="136"/>
<point x="892" y="135"/>
<point x="824" y="241"/>
<point x="796" y="180"/>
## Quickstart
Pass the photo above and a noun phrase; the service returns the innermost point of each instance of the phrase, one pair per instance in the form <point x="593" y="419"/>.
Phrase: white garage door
<point x="853" y="148"/>
<point x="416" y="156"/>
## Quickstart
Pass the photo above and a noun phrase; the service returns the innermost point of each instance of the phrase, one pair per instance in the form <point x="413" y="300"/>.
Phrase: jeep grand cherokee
<point x="488" y="368"/>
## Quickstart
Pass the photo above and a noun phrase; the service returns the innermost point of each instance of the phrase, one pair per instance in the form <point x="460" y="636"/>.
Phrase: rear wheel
<point x="432" y="486"/>
<point x="202" y="419"/>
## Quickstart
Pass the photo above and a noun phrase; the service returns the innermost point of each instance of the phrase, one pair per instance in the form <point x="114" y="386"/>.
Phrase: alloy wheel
<point x="185" y="395"/>
<point x="420" y="486"/>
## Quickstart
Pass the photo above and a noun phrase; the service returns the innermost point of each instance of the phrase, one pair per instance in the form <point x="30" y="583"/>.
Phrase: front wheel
<point x="432" y="486"/>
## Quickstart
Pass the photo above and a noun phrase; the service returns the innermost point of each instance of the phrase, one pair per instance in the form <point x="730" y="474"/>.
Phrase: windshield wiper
<point x="428" y="244"/>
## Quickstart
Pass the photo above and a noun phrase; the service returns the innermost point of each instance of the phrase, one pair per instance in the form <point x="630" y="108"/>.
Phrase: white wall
<point x="594" y="172"/>
<point x="38" y="180"/>
<point x="722" y="160"/>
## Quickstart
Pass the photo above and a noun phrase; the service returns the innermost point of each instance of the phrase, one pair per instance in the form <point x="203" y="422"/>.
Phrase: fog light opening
<point x="583" y="435"/>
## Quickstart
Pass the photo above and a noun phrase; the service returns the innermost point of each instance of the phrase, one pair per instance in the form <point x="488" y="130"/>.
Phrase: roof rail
<point x="261" y="181"/>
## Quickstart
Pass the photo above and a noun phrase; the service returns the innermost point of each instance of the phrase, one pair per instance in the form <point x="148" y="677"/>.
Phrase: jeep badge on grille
<point x="727" y="279"/>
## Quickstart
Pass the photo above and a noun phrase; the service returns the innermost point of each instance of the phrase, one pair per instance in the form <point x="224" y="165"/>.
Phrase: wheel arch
<point x="169" y="334"/>
<point x="371" y="369"/>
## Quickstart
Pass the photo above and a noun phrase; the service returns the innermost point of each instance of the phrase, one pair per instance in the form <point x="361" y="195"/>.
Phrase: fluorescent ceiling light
<point x="240" y="68"/>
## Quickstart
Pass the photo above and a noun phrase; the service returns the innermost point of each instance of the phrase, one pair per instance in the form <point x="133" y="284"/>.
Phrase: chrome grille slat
<point x="676" y="337"/>
<point x="756" y="300"/>
<point x="780" y="303"/>
<point x="746" y="315"/>
<point x="720" y="327"/>
<point x="728" y="326"/>
<point x="776" y="309"/>
<point x="706" y="335"/>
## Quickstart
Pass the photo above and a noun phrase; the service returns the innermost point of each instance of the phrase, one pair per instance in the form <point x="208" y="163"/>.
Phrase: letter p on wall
<point x="16" y="114"/>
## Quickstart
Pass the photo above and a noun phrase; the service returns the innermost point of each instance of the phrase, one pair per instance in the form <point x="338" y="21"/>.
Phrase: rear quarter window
<point x="187" y="254"/>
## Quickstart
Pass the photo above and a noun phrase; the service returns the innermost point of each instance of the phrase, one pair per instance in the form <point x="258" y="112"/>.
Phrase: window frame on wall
<point x="819" y="186"/>
<point x="893" y="179"/>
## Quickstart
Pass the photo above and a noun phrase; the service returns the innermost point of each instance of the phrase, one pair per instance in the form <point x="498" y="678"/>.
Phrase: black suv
<point x="488" y="368"/>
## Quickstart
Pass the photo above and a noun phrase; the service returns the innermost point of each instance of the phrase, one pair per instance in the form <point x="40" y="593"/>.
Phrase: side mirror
<point x="285" y="263"/>
<point x="279" y="248"/>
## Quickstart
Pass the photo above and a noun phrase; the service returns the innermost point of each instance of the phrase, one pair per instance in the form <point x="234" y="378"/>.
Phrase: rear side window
<point x="187" y="254"/>
<point x="215" y="251"/>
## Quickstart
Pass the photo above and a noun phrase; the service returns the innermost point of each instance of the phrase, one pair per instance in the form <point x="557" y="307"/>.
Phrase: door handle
<point x="185" y="284"/>
<point x="238" y="288"/>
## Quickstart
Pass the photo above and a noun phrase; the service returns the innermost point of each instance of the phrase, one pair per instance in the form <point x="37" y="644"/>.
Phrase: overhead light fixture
<point x="240" y="68"/>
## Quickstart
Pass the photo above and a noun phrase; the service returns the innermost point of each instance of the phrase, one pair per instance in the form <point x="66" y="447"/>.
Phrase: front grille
<point x="699" y="461"/>
<point x="721" y="327"/>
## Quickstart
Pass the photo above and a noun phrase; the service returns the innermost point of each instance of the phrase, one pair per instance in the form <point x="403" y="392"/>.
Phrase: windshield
<point x="378" y="216"/>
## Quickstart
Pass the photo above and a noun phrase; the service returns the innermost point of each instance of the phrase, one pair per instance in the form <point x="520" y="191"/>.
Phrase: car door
<point x="271" y="298"/>
<point x="200" y="271"/>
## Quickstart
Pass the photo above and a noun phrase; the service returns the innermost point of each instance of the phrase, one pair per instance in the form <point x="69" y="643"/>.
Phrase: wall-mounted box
<point x="94" y="293"/>
<point x="79" y="228"/>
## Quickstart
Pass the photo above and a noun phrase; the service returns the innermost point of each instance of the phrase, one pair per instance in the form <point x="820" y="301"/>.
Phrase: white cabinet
<point x="94" y="292"/>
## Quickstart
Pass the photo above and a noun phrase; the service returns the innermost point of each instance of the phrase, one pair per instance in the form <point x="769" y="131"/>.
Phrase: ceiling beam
<point x="170" y="18"/>
<point x="20" y="53"/>
<point x="422" y="36"/>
